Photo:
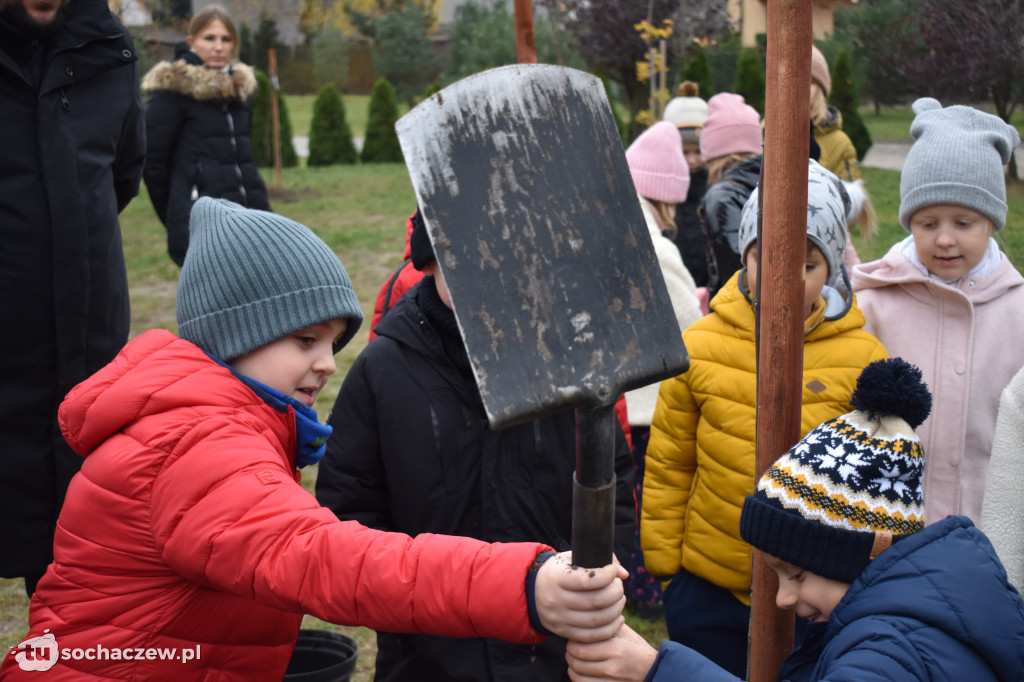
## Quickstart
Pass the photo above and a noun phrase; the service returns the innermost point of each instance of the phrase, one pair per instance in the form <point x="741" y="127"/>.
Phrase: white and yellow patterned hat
<point x="852" y="485"/>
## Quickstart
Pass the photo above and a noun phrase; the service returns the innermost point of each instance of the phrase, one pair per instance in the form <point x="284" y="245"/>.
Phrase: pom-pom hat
<point x="252" y="277"/>
<point x="657" y="164"/>
<point x="957" y="158"/>
<point x="852" y="485"/>
<point x="686" y="110"/>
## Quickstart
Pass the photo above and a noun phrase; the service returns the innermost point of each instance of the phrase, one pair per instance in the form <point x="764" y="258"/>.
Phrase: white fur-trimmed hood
<point x="200" y="82"/>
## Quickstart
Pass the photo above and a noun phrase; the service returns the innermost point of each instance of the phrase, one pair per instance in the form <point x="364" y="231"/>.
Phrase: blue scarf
<point x="310" y="435"/>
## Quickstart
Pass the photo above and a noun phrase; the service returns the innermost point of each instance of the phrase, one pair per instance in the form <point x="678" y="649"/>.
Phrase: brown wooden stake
<point x="275" y="116"/>
<point x="553" y="18"/>
<point x="526" y="45"/>
<point x="783" y="241"/>
<point x="662" y="76"/>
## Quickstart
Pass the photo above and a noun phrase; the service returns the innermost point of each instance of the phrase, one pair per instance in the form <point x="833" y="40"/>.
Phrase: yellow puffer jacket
<point x="837" y="151"/>
<point x="700" y="458"/>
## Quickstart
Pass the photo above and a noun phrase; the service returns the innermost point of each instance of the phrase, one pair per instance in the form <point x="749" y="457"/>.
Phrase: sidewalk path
<point x="301" y="144"/>
<point x="886" y="155"/>
<point x="891" y="155"/>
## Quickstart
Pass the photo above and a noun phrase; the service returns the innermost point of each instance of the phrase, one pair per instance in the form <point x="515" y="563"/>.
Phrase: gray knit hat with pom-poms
<point x="252" y="277"/>
<point x="957" y="158"/>
<point x="852" y="485"/>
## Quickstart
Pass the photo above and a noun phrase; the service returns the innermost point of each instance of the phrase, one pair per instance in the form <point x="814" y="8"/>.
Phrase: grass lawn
<point x="361" y="211"/>
<point x="892" y="124"/>
<point x="300" y="113"/>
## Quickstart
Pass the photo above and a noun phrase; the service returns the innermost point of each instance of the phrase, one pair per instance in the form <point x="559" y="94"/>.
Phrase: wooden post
<point x="553" y="18"/>
<point x="275" y="116"/>
<point x="526" y="45"/>
<point x="783" y="241"/>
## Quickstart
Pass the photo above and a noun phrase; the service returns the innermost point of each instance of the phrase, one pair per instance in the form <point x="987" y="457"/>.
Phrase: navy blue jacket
<point x="934" y="606"/>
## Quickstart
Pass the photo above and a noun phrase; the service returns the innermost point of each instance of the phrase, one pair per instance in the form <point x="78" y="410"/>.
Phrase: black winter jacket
<point x="199" y="129"/>
<point x="721" y="210"/>
<point x="73" y="143"/>
<point x="412" y="452"/>
<point x="690" y="236"/>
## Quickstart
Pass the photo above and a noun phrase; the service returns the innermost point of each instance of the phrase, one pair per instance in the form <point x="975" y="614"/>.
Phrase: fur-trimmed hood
<point x="200" y="82"/>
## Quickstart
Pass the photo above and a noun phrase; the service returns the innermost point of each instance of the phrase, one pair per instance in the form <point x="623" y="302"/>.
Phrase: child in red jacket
<point x="186" y="533"/>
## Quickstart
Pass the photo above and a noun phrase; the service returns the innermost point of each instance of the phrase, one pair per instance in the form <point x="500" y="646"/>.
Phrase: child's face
<point x="297" y="365"/>
<point x="691" y="150"/>
<point x="815" y="274"/>
<point x="950" y="240"/>
<point x="432" y="270"/>
<point x="810" y="595"/>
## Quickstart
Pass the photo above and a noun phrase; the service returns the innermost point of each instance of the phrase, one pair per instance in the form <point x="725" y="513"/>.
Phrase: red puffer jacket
<point x="186" y="529"/>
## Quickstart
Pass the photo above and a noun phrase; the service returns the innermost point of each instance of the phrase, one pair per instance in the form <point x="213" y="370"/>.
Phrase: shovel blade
<point x="522" y="182"/>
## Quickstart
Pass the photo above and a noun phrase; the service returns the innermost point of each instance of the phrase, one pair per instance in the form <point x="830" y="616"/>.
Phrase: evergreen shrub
<point x="381" y="142"/>
<point x="330" y="138"/>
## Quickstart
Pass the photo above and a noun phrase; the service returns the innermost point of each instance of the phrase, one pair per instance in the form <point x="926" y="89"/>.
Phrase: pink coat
<point x="186" y="529"/>
<point x="967" y="341"/>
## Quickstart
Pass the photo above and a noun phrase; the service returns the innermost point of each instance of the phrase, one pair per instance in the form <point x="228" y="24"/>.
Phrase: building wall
<point x="751" y="18"/>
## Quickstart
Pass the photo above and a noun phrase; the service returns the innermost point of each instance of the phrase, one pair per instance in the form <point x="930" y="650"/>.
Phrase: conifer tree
<point x="330" y="138"/>
<point x="750" y="79"/>
<point x="263" y="127"/>
<point x="844" y="97"/>
<point x="381" y="143"/>
<point x="698" y="70"/>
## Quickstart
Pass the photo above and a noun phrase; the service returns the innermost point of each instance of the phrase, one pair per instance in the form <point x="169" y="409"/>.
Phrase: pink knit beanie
<point x="732" y="127"/>
<point x="657" y="164"/>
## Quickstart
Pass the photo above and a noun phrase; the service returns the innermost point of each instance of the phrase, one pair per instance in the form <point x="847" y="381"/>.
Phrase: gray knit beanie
<point x="252" y="277"/>
<point x="957" y="158"/>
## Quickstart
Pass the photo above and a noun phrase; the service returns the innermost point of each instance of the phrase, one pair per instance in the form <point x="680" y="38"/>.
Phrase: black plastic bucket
<point x="322" y="656"/>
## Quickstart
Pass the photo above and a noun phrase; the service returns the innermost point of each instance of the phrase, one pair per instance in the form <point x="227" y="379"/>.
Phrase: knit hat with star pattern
<point x="828" y="203"/>
<point x="852" y="485"/>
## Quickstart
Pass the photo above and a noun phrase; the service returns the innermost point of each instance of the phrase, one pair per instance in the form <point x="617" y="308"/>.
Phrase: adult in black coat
<point x="199" y="127"/>
<point x="73" y="143"/>
<point x="412" y="451"/>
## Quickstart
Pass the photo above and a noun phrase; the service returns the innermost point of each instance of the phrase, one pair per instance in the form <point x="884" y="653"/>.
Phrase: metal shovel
<point x="522" y="181"/>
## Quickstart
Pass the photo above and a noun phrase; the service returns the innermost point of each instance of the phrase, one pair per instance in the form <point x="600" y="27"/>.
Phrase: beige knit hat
<point x="819" y="71"/>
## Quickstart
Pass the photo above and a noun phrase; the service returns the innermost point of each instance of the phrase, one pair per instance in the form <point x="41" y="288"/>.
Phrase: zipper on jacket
<point x="234" y="152"/>
<point x="64" y="101"/>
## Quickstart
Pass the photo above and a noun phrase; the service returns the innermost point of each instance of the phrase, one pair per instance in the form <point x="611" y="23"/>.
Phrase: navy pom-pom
<point x="893" y="386"/>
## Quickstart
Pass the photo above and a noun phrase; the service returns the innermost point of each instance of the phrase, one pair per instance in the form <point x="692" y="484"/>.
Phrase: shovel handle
<point x="593" y="499"/>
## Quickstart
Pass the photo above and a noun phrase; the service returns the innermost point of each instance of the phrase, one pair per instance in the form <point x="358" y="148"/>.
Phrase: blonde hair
<point x="819" y="105"/>
<point x="718" y="166"/>
<point x="211" y="13"/>
<point x="665" y="216"/>
<point x="866" y="223"/>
